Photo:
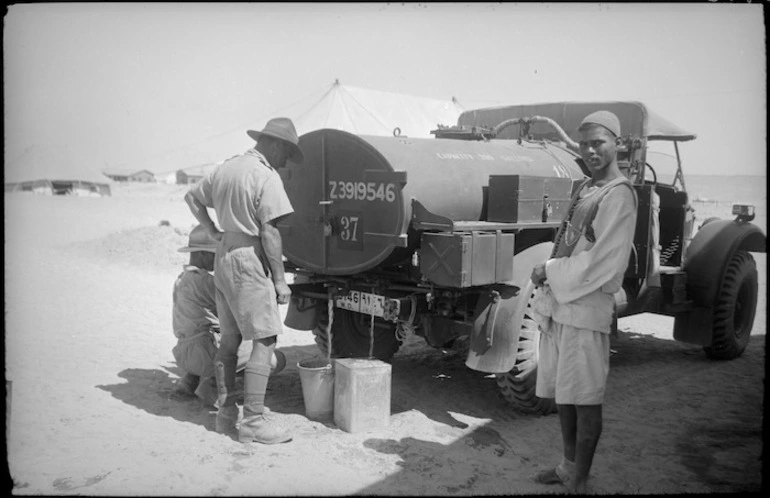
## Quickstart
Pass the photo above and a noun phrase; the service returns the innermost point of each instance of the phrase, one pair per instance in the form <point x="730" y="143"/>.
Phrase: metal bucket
<point x="317" y="379"/>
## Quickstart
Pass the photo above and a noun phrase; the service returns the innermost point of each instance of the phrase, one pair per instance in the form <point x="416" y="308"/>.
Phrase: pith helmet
<point x="283" y="129"/>
<point x="605" y="119"/>
<point x="200" y="240"/>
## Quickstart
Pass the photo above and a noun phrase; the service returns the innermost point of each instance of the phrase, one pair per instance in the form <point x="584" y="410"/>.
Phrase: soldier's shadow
<point x="152" y="390"/>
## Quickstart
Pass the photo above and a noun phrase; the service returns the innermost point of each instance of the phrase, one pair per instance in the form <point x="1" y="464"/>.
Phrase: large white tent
<point x="357" y="110"/>
<point x="374" y="112"/>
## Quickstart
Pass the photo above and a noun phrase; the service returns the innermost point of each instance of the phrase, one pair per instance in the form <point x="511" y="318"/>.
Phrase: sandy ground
<point x="88" y="350"/>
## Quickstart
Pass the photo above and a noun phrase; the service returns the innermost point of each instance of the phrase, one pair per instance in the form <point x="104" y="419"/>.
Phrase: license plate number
<point x="362" y="302"/>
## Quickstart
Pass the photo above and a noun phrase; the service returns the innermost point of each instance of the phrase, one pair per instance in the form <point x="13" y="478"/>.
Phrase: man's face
<point x="281" y="154"/>
<point x="597" y="148"/>
<point x="207" y="260"/>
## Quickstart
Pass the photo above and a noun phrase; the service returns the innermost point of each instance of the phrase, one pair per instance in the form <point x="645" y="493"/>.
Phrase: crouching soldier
<point x="196" y="324"/>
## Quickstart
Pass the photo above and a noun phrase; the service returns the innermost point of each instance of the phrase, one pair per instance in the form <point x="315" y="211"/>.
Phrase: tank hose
<point x="571" y="144"/>
<point x="371" y="337"/>
<point x="329" y="328"/>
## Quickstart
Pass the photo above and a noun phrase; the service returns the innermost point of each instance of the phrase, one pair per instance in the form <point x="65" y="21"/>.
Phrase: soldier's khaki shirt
<point x="246" y="192"/>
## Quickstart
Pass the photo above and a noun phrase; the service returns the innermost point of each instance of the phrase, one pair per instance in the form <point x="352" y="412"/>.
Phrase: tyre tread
<point x="725" y="345"/>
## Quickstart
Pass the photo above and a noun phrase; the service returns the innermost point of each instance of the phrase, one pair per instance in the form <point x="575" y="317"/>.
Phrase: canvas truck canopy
<point x="635" y="119"/>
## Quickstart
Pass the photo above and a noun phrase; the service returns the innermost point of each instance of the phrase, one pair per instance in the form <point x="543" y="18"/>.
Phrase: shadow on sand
<point x="152" y="390"/>
<point x="430" y="386"/>
<point x="437" y="384"/>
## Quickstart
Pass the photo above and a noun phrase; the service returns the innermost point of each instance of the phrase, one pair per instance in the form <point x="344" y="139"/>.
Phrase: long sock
<point x="224" y="370"/>
<point x="255" y="380"/>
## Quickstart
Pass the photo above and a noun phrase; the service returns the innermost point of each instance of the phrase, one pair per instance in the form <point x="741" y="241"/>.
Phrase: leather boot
<point x="187" y="384"/>
<point x="207" y="392"/>
<point x="254" y="426"/>
<point x="227" y="419"/>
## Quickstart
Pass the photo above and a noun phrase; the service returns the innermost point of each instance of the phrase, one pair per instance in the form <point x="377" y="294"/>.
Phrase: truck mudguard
<point x="495" y="337"/>
<point x="710" y="251"/>
<point x="706" y="262"/>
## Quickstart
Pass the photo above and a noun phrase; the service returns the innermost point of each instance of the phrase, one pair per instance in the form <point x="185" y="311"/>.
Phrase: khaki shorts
<point x="573" y="365"/>
<point x="196" y="356"/>
<point x="246" y="300"/>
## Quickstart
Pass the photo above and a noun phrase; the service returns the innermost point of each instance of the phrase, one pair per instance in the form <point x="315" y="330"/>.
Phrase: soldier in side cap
<point x="574" y="300"/>
<point x="249" y="199"/>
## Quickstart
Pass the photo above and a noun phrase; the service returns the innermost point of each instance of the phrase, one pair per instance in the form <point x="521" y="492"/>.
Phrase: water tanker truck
<point x="438" y="237"/>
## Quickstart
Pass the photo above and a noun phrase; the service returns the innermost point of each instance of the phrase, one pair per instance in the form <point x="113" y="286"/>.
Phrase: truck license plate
<point x="362" y="302"/>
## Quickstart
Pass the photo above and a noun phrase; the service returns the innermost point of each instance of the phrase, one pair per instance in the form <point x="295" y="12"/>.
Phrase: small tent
<point x="374" y="112"/>
<point x="59" y="186"/>
<point x="48" y="170"/>
<point x="130" y="175"/>
<point x="192" y="174"/>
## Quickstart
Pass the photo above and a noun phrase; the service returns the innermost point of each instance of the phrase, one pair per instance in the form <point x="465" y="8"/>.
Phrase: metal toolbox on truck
<point x="528" y="199"/>
<point x="462" y="259"/>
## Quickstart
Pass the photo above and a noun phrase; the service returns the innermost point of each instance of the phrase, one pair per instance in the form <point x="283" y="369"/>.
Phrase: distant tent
<point x="130" y="175"/>
<point x="373" y="112"/>
<point x="60" y="187"/>
<point x="192" y="174"/>
<point x="48" y="170"/>
<point x="34" y="186"/>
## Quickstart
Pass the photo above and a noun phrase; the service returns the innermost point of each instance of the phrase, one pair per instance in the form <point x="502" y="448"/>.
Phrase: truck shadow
<point x="501" y="455"/>
<point x="433" y="381"/>
<point x="631" y="349"/>
<point x="437" y="383"/>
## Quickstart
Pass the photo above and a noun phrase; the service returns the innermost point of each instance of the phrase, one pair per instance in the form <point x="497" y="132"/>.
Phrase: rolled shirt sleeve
<point x="202" y="190"/>
<point x="273" y="203"/>
<point x="587" y="271"/>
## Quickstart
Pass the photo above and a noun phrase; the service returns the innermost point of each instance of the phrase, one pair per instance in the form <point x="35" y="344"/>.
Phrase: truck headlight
<point x="743" y="212"/>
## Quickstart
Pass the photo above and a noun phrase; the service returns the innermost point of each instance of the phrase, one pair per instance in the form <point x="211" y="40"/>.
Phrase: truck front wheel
<point x="735" y="309"/>
<point x="351" y="336"/>
<point x="518" y="385"/>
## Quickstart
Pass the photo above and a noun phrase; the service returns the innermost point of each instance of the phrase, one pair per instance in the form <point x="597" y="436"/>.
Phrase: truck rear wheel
<point x="518" y="385"/>
<point x="350" y="336"/>
<point x="735" y="309"/>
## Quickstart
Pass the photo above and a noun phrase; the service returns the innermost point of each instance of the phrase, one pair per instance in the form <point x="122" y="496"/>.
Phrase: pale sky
<point x="167" y="86"/>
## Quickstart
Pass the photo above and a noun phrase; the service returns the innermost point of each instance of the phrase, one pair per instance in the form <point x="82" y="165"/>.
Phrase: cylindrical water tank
<point x="352" y="195"/>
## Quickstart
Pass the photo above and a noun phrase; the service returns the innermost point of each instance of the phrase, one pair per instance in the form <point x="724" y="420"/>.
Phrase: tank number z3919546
<point x="362" y="191"/>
